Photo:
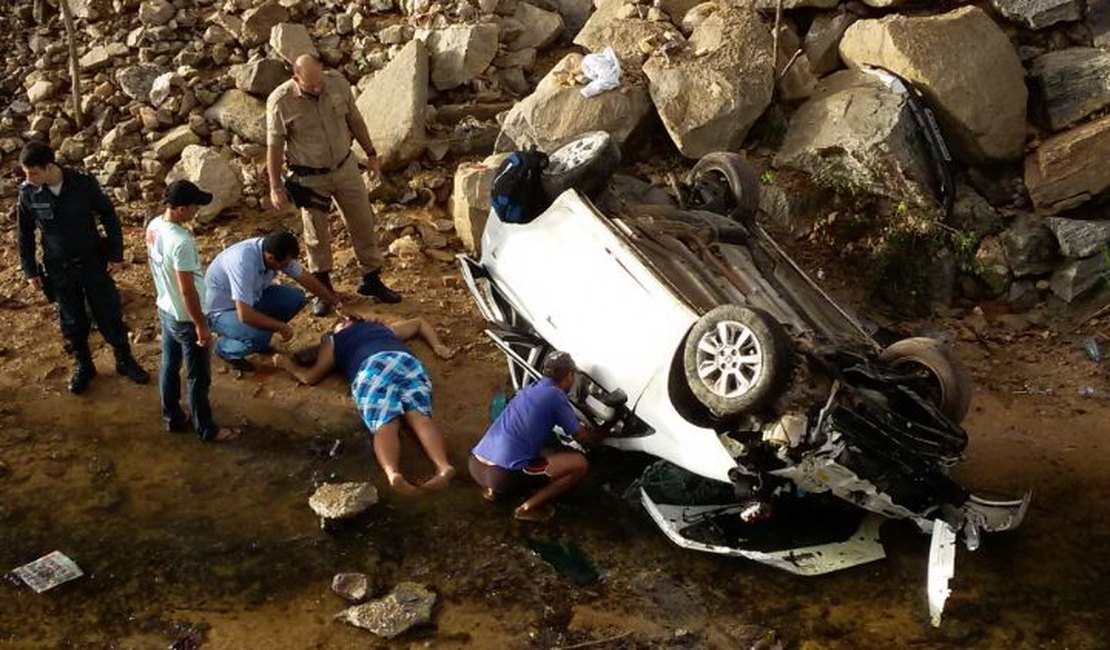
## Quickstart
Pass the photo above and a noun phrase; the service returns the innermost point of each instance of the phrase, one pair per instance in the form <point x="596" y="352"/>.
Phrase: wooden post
<point x="775" y="42"/>
<point x="75" y="80"/>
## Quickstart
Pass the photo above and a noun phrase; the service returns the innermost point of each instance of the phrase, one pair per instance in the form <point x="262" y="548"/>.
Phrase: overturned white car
<point x="703" y="344"/>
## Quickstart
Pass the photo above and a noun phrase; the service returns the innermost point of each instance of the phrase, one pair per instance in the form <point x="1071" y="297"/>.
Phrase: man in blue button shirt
<point x="513" y="449"/>
<point x="245" y="307"/>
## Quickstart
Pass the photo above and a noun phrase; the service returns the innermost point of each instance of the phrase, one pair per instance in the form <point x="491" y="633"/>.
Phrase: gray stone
<point x="90" y="9"/>
<point x="823" y="40"/>
<point x="351" y="586"/>
<point x="380" y="6"/>
<point x="1071" y="84"/>
<point x="40" y="91"/>
<point x="101" y="56"/>
<point x="136" y="81"/>
<point x="259" y="77"/>
<point x="513" y="80"/>
<point x="212" y="172"/>
<point x="624" y="35"/>
<point x="156" y="12"/>
<point x="241" y="113"/>
<point x="1076" y="277"/>
<point x="575" y="13"/>
<point x="1022" y="296"/>
<point x="470" y="199"/>
<point x="1030" y="247"/>
<point x="174" y="142"/>
<point x="1079" y="238"/>
<point x="798" y="81"/>
<point x="525" y="58"/>
<point x="711" y="93"/>
<point x="342" y="500"/>
<point x="408" y="605"/>
<point x="459" y="53"/>
<point x="856" y="135"/>
<point x="1060" y="175"/>
<point x="162" y="87"/>
<point x="290" y="40"/>
<point x="972" y="213"/>
<point x="393" y="104"/>
<point x="1038" y="14"/>
<point x="394" y="34"/>
<point x="790" y="209"/>
<point x="217" y="35"/>
<point x="1098" y="22"/>
<point x="259" y="21"/>
<point x="992" y="269"/>
<point x="541" y="27"/>
<point x="556" y="111"/>
<point x="984" y="120"/>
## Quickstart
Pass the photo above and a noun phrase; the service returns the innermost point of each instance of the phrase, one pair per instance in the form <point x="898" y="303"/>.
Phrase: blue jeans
<point x="179" y="340"/>
<point x="237" y="339"/>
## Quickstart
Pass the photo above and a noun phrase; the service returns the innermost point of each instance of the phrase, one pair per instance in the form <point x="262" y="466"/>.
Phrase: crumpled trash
<point x="1090" y="346"/>
<point x="603" y="69"/>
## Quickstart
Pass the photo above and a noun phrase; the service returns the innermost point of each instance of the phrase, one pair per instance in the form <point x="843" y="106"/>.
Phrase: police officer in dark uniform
<point x="61" y="204"/>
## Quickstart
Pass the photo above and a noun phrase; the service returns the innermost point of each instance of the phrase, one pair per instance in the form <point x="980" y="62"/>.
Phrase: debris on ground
<point x="407" y="606"/>
<point x="48" y="571"/>
<point x="342" y="500"/>
<point x="352" y="586"/>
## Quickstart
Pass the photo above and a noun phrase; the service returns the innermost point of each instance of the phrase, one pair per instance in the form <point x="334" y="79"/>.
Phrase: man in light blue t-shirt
<point x="179" y="283"/>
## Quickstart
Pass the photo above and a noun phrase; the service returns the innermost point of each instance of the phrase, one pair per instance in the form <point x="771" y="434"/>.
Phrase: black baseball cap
<point x="183" y="192"/>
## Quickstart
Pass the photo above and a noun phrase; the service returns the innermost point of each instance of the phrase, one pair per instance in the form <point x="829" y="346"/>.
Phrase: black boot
<point x="83" y="371"/>
<point x="319" y="307"/>
<point x="373" y="286"/>
<point x="127" y="366"/>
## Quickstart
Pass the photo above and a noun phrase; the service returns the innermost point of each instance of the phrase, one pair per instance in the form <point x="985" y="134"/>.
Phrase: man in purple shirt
<point x="513" y="449"/>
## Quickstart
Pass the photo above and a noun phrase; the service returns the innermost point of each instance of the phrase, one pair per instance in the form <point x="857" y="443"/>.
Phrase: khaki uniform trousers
<point x="346" y="188"/>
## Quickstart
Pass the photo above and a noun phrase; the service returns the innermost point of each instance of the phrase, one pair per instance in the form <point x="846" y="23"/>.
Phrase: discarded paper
<point x="49" y="571"/>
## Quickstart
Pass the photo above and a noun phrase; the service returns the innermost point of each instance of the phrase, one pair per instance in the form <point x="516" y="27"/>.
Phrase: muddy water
<point x="182" y="540"/>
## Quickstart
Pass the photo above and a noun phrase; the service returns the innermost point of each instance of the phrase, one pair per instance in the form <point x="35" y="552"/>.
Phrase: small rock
<point x="156" y="12"/>
<point x="342" y="500"/>
<point x="290" y="40"/>
<point x="352" y="586"/>
<point x="406" y="246"/>
<point x="408" y="605"/>
<point x="40" y="91"/>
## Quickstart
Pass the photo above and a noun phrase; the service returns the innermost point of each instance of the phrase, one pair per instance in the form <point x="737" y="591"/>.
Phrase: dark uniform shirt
<point x="68" y="224"/>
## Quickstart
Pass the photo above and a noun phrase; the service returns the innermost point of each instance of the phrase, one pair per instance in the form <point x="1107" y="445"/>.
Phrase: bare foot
<point x="443" y="352"/>
<point x="538" y="514"/>
<point x="402" y="486"/>
<point x="440" y="480"/>
<point x="226" y="434"/>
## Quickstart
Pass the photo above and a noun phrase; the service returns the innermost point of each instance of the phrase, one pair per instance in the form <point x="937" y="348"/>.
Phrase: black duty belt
<point x="302" y="170"/>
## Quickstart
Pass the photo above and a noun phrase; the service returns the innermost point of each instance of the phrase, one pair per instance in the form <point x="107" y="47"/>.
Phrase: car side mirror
<point x="613" y="399"/>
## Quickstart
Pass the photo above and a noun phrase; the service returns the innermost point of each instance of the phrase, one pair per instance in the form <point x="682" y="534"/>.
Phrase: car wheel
<point x="738" y="198"/>
<point x="736" y="359"/>
<point x="585" y="163"/>
<point x="948" y="379"/>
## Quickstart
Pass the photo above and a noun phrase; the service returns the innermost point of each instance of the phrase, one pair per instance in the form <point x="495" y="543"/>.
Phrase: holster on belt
<point x="304" y="197"/>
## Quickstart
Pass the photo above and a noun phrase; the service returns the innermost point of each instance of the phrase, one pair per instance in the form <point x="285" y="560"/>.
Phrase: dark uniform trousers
<point x="76" y="283"/>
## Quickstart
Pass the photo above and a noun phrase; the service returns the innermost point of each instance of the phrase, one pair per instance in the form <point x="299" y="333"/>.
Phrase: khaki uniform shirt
<point x="315" y="132"/>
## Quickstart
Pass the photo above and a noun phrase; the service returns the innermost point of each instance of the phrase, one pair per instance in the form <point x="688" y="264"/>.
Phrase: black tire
<point x="741" y="179"/>
<point x="951" y="390"/>
<point x="584" y="163"/>
<point x="748" y="333"/>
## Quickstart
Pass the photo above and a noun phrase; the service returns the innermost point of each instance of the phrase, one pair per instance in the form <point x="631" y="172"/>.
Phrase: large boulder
<point x="1098" y="22"/>
<point x="541" y="27"/>
<point x="1069" y="168"/>
<point x="259" y="77"/>
<point x="408" y="605"/>
<point x="1038" y="14"/>
<point x="1070" y="84"/>
<point x="856" y="133"/>
<point x="459" y="53"/>
<point x="711" y="93"/>
<point x="290" y="40"/>
<point x="174" y="142"/>
<point x="259" y="21"/>
<point x="1078" y="238"/>
<point x="822" y="41"/>
<point x="213" y="172"/>
<point x="1076" y="277"/>
<point x="965" y="65"/>
<point x="624" y="35"/>
<point x="237" y="111"/>
<point x="1030" y="246"/>
<point x="470" y="199"/>
<point x="574" y="13"/>
<point x="137" y="80"/>
<point x="556" y="111"/>
<point x="393" y="104"/>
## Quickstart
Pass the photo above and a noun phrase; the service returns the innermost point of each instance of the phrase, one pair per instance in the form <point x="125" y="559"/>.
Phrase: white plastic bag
<point x="603" y="69"/>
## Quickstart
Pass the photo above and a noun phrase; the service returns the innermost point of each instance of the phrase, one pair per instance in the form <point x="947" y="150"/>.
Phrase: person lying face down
<point x="389" y="385"/>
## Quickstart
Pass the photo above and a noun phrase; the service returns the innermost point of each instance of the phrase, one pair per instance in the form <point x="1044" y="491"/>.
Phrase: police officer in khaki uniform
<point x="310" y="120"/>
